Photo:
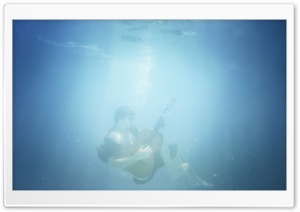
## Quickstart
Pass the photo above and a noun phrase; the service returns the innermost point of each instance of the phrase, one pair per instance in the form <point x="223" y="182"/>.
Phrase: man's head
<point x="123" y="113"/>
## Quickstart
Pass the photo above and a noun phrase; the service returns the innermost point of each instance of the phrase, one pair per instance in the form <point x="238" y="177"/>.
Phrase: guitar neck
<point x="160" y="122"/>
<point x="158" y="125"/>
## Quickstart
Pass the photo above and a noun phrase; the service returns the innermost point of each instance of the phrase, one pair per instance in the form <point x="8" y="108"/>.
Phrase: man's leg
<point x="173" y="164"/>
<point x="177" y="166"/>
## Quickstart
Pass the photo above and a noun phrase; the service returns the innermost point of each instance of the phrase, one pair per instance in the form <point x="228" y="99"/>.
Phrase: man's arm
<point x="121" y="163"/>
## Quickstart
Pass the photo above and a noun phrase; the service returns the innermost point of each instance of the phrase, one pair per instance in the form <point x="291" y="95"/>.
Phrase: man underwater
<point x="141" y="152"/>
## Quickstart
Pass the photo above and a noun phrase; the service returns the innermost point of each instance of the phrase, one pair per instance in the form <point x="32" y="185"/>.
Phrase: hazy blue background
<point x="229" y="79"/>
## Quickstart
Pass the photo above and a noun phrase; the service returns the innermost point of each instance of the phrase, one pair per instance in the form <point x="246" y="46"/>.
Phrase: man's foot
<point x="177" y="170"/>
<point x="184" y="167"/>
<point x="194" y="180"/>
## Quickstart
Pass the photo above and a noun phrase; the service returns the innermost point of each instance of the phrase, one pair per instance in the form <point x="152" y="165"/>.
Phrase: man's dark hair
<point x="122" y="112"/>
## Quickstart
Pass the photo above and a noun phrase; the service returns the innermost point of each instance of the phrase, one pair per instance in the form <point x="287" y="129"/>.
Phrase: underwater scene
<point x="207" y="99"/>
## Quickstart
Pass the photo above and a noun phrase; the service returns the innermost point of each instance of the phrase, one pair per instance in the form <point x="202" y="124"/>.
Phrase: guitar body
<point x="144" y="169"/>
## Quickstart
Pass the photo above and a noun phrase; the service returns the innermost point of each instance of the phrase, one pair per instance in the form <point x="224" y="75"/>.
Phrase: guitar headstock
<point x="161" y="121"/>
<point x="170" y="105"/>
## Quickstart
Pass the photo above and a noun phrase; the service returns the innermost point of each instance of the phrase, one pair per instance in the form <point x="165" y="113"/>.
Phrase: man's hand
<point x="143" y="152"/>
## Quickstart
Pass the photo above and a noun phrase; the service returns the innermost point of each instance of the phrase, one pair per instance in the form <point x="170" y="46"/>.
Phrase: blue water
<point x="228" y="77"/>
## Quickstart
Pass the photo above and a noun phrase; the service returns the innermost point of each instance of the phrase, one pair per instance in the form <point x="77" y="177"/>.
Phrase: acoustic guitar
<point x="143" y="169"/>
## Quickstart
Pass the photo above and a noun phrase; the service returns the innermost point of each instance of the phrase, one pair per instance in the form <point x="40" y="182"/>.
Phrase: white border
<point x="147" y="198"/>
